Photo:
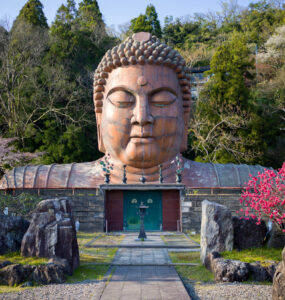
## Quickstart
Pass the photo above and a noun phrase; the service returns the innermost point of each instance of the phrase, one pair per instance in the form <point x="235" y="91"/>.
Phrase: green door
<point x="132" y="201"/>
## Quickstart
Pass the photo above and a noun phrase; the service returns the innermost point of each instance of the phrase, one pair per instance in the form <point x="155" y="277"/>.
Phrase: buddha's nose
<point x="142" y="115"/>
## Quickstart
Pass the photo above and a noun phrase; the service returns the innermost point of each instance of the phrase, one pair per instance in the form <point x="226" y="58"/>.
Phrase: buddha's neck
<point x="150" y="175"/>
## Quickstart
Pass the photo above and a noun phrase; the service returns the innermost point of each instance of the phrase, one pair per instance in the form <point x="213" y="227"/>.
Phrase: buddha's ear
<point x="99" y="133"/>
<point x="184" y="142"/>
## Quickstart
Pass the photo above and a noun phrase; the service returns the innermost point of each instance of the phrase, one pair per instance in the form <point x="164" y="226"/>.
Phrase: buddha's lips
<point x="142" y="139"/>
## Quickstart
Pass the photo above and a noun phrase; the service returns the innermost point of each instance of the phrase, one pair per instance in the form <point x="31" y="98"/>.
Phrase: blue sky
<point x="117" y="12"/>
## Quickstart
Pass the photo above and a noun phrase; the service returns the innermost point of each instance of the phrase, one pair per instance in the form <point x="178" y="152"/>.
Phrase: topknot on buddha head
<point x="142" y="48"/>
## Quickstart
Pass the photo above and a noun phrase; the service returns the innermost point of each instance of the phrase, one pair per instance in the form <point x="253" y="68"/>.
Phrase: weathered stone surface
<point x="276" y="238"/>
<point x="247" y="234"/>
<point x="63" y="263"/>
<point x="227" y="270"/>
<point x="216" y="229"/>
<point x="262" y="273"/>
<point x="47" y="274"/>
<point x="15" y="274"/>
<point x="52" y="232"/>
<point x="12" y="230"/>
<point x="278" y="292"/>
<point x="5" y="263"/>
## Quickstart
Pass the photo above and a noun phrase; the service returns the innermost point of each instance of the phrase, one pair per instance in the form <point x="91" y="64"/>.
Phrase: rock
<point x="276" y="238"/>
<point x="247" y="234"/>
<point x="258" y="272"/>
<point x="49" y="273"/>
<point x="5" y="263"/>
<point x="52" y="232"/>
<point x="15" y="274"/>
<point x="216" y="229"/>
<point x="278" y="288"/>
<point x="227" y="270"/>
<point x="27" y="284"/>
<point x="61" y="262"/>
<point x="209" y="260"/>
<point x="12" y="230"/>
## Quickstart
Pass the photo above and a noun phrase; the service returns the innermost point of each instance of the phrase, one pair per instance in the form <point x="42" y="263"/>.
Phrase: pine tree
<point x="152" y="19"/>
<point x="32" y="13"/>
<point x="148" y="22"/>
<point x="89" y="15"/>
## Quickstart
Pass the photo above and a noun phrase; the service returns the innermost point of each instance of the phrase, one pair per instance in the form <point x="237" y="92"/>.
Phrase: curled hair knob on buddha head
<point x="142" y="48"/>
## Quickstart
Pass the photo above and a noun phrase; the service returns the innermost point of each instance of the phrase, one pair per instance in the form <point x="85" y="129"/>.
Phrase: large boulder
<point x="276" y="238"/>
<point x="227" y="270"/>
<point x="278" y="292"/>
<point x="216" y="229"/>
<point x="14" y="274"/>
<point x="247" y="234"/>
<point x="49" y="273"/>
<point x="52" y="232"/>
<point x="259" y="272"/>
<point x="12" y="230"/>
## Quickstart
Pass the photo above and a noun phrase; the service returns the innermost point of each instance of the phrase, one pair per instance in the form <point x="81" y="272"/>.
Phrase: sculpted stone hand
<point x="142" y="106"/>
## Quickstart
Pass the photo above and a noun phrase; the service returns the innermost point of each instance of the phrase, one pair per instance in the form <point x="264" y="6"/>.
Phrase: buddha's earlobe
<point x="184" y="142"/>
<point x="99" y="133"/>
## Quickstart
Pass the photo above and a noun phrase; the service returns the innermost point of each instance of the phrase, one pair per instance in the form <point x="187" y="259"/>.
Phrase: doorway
<point x="153" y="218"/>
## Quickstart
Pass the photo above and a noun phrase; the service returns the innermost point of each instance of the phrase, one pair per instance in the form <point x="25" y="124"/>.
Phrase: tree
<point x="32" y="13"/>
<point x="148" y="22"/>
<point x="221" y="129"/>
<point x="10" y="157"/>
<point x="264" y="196"/>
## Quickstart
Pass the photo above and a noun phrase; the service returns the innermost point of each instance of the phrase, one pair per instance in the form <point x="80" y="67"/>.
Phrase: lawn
<point x="261" y="254"/>
<point x="16" y="258"/>
<point x="196" y="273"/>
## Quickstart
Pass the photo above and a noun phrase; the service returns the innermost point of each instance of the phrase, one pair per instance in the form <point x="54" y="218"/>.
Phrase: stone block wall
<point x="87" y="204"/>
<point x="191" y="204"/>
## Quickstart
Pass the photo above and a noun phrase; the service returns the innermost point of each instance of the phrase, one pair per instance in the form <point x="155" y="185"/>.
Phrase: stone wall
<point x="191" y="204"/>
<point x="87" y="204"/>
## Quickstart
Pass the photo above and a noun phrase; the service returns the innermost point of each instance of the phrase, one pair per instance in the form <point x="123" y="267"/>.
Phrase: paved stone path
<point x="144" y="282"/>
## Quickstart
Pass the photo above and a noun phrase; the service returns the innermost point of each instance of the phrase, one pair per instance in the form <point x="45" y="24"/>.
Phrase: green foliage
<point x="21" y="205"/>
<point x="32" y="13"/>
<point x="222" y="130"/>
<point x="148" y="22"/>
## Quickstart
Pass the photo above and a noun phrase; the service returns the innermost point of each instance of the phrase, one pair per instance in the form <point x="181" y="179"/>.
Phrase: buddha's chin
<point x="142" y="155"/>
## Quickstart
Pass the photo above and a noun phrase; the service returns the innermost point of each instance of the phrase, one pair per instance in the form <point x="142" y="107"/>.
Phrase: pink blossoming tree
<point x="264" y="196"/>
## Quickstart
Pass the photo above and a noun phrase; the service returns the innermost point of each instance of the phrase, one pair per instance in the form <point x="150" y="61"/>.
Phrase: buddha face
<point x="142" y="119"/>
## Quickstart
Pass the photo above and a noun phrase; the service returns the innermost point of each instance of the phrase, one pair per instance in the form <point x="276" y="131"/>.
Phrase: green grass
<point x="84" y="237"/>
<point x="88" y="272"/>
<point x="195" y="237"/>
<point x="196" y="273"/>
<point x="261" y="254"/>
<point x="16" y="258"/>
<point x="12" y="289"/>
<point x="97" y="255"/>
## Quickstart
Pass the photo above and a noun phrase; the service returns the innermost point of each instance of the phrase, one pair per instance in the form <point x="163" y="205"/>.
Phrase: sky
<point x="116" y="12"/>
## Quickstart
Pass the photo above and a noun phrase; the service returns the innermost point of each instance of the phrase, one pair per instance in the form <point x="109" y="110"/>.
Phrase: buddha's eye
<point x="121" y="98"/>
<point x="162" y="98"/>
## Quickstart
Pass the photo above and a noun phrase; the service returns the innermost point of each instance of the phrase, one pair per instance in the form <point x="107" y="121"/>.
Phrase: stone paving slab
<point x="132" y="240"/>
<point x="145" y="282"/>
<point x="142" y="256"/>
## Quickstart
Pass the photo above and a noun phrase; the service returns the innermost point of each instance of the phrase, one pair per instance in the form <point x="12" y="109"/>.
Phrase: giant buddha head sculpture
<point x="142" y="102"/>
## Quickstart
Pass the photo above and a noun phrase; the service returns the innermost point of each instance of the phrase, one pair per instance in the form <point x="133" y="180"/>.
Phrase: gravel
<point x="76" y="291"/>
<point x="229" y="291"/>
